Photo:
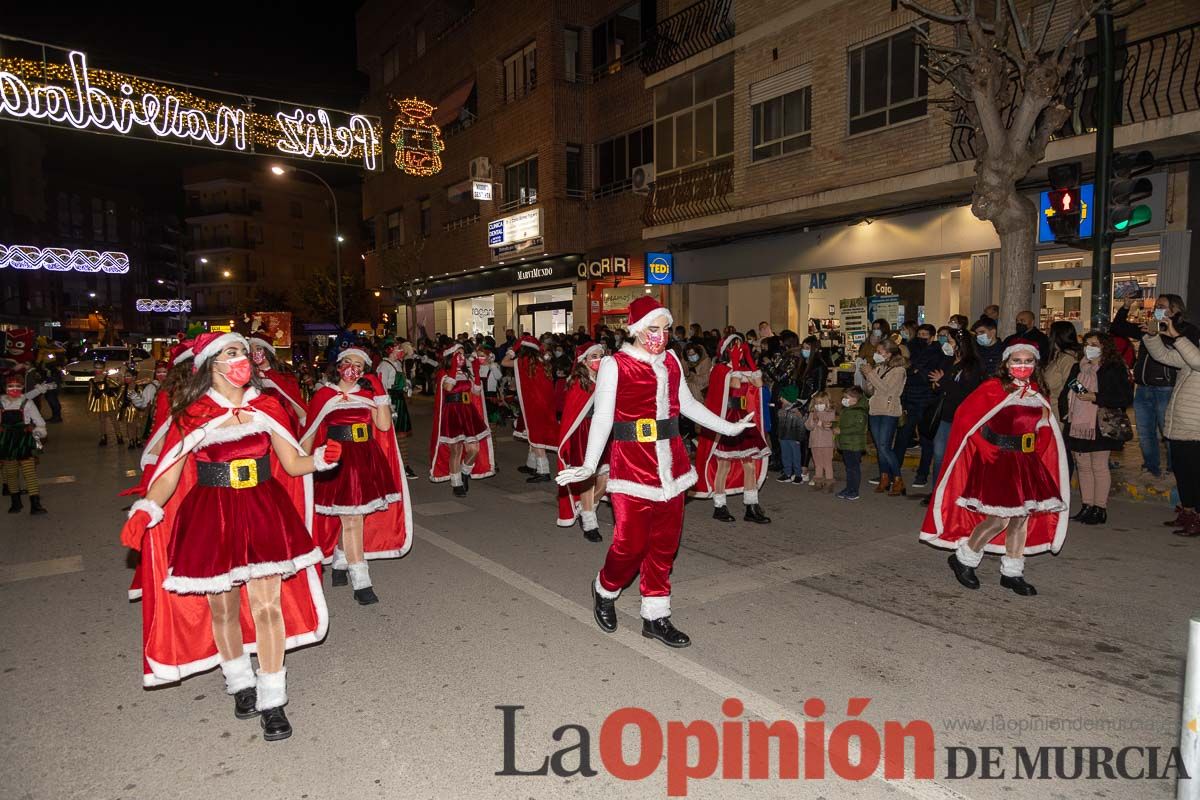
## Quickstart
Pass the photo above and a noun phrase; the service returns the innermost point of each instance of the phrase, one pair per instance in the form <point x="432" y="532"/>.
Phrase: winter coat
<point x="852" y="429"/>
<point x="1057" y="373"/>
<point x="925" y="359"/>
<point x="818" y="435"/>
<point x="885" y="385"/>
<point x="697" y="376"/>
<point x="1113" y="390"/>
<point x="1183" y="410"/>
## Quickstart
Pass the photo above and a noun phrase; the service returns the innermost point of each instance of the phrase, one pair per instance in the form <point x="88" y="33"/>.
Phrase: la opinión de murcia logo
<point x="853" y="750"/>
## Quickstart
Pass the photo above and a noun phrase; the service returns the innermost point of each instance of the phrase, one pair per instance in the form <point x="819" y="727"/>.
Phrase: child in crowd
<point x="851" y="433"/>
<point x="821" y="418"/>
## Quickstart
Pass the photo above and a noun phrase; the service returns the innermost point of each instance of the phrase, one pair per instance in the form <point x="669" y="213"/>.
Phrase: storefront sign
<point x="517" y="228"/>
<point x="618" y="299"/>
<point x="817" y="280"/>
<point x="854" y="319"/>
<point x="534" y="274"/>
<point x="660" y="269"/>
<point x="880" y="288"/>
<point x="483" y="281"/>
<point x="604" y="267"/>
<point x="481" y="190"/>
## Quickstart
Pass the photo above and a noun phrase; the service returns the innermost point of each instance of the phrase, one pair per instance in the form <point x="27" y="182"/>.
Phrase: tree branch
<point x="1015" y="21"/>
<point x="947" y="19"/>
<point x="1079" y="25"/>
<point x="1041" y="42"/>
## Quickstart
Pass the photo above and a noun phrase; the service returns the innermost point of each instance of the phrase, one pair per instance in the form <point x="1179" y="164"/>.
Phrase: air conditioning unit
<point x="641" y="178"/>
<point x="481" y="169"/>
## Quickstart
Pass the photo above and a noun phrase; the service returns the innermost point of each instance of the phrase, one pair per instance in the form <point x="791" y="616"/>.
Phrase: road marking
<point x="60" y="479"/>
<point x="11" y="573"/>
<point x="440" y="509"/>
<point x="132" y="473"/>
<point x="531" y="497"/>
<point x="722" y="687"/>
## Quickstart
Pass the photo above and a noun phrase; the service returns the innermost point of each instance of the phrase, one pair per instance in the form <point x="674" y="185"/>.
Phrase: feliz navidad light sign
<point x="51" y="86"/>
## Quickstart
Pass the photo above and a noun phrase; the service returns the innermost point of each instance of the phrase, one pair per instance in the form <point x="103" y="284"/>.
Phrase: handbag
<point x="927" y="426"/>
<point x="1113" y="423"/>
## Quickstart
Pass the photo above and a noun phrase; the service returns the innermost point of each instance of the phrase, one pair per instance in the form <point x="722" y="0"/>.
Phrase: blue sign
<point x="495" y="232"/>
<point x="660" y="269"/>
<point x="1086" y="191"/>
<point x="817" y="280"/>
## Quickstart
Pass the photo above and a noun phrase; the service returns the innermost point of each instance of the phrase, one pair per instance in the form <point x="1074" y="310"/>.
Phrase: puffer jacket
<point x="1183" y="411"/>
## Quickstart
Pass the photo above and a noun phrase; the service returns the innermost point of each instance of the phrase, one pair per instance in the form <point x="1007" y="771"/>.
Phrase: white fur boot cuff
<point x="966" y="556"/>
<point x="238" y="674"/>
<point x="1012" y="567"/>
<point x="605" y="593"/>
<point x="656" y="607"/>
<point x="272" y="689"/>
<point x="339" y="558"/>
<point x="750" y="497"/>
<point x="360" y="576"/>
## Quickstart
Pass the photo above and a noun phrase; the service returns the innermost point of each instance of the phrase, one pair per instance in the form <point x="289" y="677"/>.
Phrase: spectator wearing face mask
<point x="1065" y="352"/>
<point x="885" y="377"/>
<point x="697" y="366"/>
<point x="1028" y="331"/>
<point x="989" y="350"/>
<point x="953" y="384"/>
<point x="880" y="330"/>
<point x="926" y="357"/>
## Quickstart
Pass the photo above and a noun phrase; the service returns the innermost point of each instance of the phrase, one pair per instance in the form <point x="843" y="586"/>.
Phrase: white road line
<point x="11" y="573"/>
<point x="722" y="687"/>
<point x="60" y="479"/>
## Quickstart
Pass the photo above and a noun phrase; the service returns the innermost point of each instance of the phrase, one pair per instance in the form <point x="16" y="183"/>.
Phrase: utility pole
<point x="1101" y="235"/>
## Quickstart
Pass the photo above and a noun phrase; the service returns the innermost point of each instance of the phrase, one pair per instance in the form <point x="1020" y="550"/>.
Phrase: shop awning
<point x="450" y="106"/>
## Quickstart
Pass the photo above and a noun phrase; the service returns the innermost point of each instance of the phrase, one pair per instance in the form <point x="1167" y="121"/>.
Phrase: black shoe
<point x="340" y="577"/>
<point x="35" y="504"/>
<point x="16" y="506"/>
<point x="754" y="513"/>
<point x="1083" y="512"/>
<point x="926" y="500"/>
<point x="54" y="419"/>
<point x="527" y="470"/>
<point x="965" y="574"/>
<point x="541" y="477"/>
<point x="722" y="513"/>
<point x="592" y="535"/>
<point x="103" y="441"/>
<point x="1018" y="585"/>
<point x="460" y="491"/>
<point x="1095" y="516"/>
<point x="604" y="610"/>
<point x="408" y="472"/>
<point x="665" y="632"/>
<point x="275" y="724"/>
<point x="366" y="597"/>
<point x="466" y="482"/>
<point x="6" y="492"/>
<point x="243" y="703"/>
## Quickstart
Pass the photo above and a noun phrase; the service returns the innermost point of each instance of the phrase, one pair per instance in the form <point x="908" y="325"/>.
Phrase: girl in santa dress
<point x="533" y="370"/>
<point x="460" y="446"/>
<point x="1005" y="488"/>
<point x="578" y="500"/>
<point x="364" y="502"/>
<point x="225" y="513"/>
<point x="278" y="382"/>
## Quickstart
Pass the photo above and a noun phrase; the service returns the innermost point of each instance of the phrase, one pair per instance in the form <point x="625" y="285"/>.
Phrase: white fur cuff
<point x="319" y="462"/>
<point x="750" y="497"/>
<point x="339" y="558"/>
<point x="656" y="607"/>
<point x="605" y="593"/>
<point x="238" y="674"/>
<point x="360" y="576"/>
<point x="1012" y="567"/>
<point x="153" y="509"/>
<point x="272" y="689"/>
<point x="966" y="556"/>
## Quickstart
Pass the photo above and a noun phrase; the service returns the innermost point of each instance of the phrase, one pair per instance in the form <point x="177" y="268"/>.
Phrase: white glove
<point x="573" y="475"/>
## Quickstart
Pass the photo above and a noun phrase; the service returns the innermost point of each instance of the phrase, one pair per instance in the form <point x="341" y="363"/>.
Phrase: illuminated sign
<point x="481" y="190"/>
<point x="517" y="228"/>
<point x="55" y="87"/>
<point x="1086" y="193"/>
<point x="660" y="268"/>
<point x="604" y="267"/>
<point x="417" y="139"/>
<point x="164" y="306"/>
<point x="534" y="273"/>
<point x="60" y="259"/>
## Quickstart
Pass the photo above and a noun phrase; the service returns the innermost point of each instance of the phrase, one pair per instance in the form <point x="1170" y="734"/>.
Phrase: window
<point x="419" y="38"/>
<point x="426" y="217"/>
<point x="694" y="118"/>
<point x="296" y="209"/>
<point x="520" y="72"/>
<point x="617" y="158"/>
<point x="571" y="55"/>
<point x="97" y="219"/>
<point x="391" y="64"/>
<point x="574" y="171"/>
<point x="110" y="220"/>
<point x="888" y="84"/>
<point x="617" y="40"/>
<point x="521" y="182"/>
<point x="395" y="229"/>
<point x="298" y="240"/>
<point x="782" y="124"/>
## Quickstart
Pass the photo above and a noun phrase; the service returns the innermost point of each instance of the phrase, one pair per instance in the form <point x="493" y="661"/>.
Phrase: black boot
<point x="527" y="470"/>
<point x="16" y="506"/>
<point x="592" y="534"/>
<point x="1095" y="516"/>
<point x="466" y="482"/>
<point x="665" y="632"/>
<point x="722" y="513"/>
<point x="1018" y="585"/>
<point x="754" y="513"/>
<point x="965" y="574"/>
<point x="366" y="597"/>
<point x="408" y="472"/>
<point x="275" y="724"/>
<point x="604" y="610"/>
<point x="460" y="490"/>
<point x="104" y="441"/>
<point x="1083" y="512"/>
<point x="35" y="504"/>
<point x="6" y="492"/>
<point x="339" y="577"/>
<point x="244" y="702"/>
<point x="541" y="477"/>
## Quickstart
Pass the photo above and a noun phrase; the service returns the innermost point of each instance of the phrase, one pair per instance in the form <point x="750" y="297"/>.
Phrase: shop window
<point x="888" y="82"/>
<point x="521" y="183"/>
<point x="694" y="117"/>
<point x="520" y="72"/>
<point x="572" y="57"/>
<point x="617" y="158"/>
<point x="574" y="171"/>
<point x="426" y="217"/>
<point x="782" y="124"/>
<point x="395" y="229"/>
<point x="618" y="40"/>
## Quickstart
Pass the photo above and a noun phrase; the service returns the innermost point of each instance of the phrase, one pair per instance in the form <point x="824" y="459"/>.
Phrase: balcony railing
<point x="691" y="31"/>
<point x="689" y="194"/>
<point x="1155" y="77"/>
<point x="202" y="209"/>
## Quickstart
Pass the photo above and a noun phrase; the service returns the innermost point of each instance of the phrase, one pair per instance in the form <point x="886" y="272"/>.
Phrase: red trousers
<point x="645" y="538"/>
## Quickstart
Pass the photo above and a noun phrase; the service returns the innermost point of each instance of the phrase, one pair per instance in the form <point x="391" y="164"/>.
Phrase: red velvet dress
<point x="224" y="536"/>
<point x="461" y="422"/>
<point x="750" y="442"/>
<point x="361" y="483"/>
<point x="1010" y="482"/>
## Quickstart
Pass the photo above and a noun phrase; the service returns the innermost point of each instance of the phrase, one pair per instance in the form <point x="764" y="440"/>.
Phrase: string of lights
<point x="164" y="306"/>
<point x="418" y="140"/>
<point x="61" y="259"/>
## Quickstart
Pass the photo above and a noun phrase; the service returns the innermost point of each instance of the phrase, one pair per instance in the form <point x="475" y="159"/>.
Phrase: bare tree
<point x="1007" y="77"/>
<point x="404" y="270"/>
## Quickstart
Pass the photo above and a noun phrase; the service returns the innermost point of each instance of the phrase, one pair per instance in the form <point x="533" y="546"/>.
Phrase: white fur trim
<point x="728" y="340"/>
<point x="644" y="322"/>
<point x="239" y="674"/>
<point x="1012" y="567"/>
<point x="459" y="439"/>
<point x="272" y="689"/>
<point x="134" y="594"/>
<point x="588" y="518"/>
<point x="966" y="556"/>
<point x="255" y="339"/>
<point x="586" y="353"/>
<point x="150" y="507"/>
<point x="456" y="479"/>
<point x="1030" y="506"/>
<point x="232" y="433"/>
<point x="217" y="345"/>
<point x="605" y="593"/>
<point x="181" y="584"/>
<point x="339" y="558"/>
<point x="465" y="469"/>
<point x="182" y="357"/>
<point x="319" y="462"/>
<point x="718" y="500"/>
<point x="360" y="576"/>
<point x="750" y="497"/>
<point x="739" y="455"/>
<point x="378" y="504"/>
<point x="672" y="489"/>
<point x="354" y="351"/>
<point x="531" y="345"/>
<point x="656" y="607"/>
<point x="1017" y="347"/>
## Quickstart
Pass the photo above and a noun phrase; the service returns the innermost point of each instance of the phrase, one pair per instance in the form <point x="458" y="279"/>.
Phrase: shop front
<point x="613" y="280"/>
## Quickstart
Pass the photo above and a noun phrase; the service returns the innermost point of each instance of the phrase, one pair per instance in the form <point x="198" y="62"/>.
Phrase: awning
<point x="452" y="104"/>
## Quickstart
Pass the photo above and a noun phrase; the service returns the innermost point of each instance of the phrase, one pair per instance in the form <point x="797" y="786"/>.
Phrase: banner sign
<point x="50" y="86"/>
<point x="517" y="228"/>
<point x="275" y="326"/>
<point x="854" y="319"/>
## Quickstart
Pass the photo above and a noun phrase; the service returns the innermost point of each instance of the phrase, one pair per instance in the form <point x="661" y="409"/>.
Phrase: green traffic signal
<point x="1138" y="216"/>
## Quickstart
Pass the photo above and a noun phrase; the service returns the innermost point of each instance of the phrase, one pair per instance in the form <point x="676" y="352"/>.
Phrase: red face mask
<point x="237" y="371"/>
<point x="14" y="391"/>
<point x="160" y="375"/>
<point x="1021" y="372"/>
<point x="350" y="372"/>
<point x="459" y="361"/>
<point x="654" y="343"/>
<point x="259" y="356"/>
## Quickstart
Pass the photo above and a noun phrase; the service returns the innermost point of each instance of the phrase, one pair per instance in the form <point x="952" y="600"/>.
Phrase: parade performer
<point x="102" y="400"/>
<point x="460" y="446"/>
<point x="364" y="503"/>
<point x="640" y="393"/>
<point x="1005" y="488"/>
<point x="180" y="361"/>
<point x="733" y="464"/>
<point x="395" y="382"/>
<point x="127" y="410"/>
<point x="144" y="399"/>
<point x="533" y="370"/>
<point x="277" y="382"/>
<point x="22" y="431"/>
<point x="578" y="500"/>
<point x="223" y="524"/>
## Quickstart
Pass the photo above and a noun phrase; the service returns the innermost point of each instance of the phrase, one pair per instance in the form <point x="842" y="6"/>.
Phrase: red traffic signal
<point x="1066" y="202"/>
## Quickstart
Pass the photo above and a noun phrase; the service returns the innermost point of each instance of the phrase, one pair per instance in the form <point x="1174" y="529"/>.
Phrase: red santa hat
<point x="449" y="351"/>
<point x="530" y="342"/>
<point x="1017" y="346"/>
<point x="261" y="340"/>
<point x="207" y="345"/>
<point x="354" y="351"/>
<point x="643" y="311"/>
<point x="585" y="351"/>
<point x="181" y="352"/>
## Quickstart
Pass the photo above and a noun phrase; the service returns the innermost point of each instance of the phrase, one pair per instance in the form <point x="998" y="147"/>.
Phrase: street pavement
<point x="832" y="600"/>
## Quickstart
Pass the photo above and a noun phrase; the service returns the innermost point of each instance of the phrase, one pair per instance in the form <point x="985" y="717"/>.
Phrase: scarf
<point x="1083" y="413"/>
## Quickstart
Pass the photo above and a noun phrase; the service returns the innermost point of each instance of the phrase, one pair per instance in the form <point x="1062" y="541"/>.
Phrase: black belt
<point x="1023" y="442"/>
<point x="358" y="432"/>
<point x="645" y="430"/>
<point x="241" y="473"/>
<point x="456" y="397"/>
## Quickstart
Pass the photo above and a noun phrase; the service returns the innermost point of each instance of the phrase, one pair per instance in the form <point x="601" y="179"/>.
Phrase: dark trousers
<point x="853" y="462"/>
<point x="1185" y="459"/>
<point x="53" y="403"/>
<point x="904" y="440"/>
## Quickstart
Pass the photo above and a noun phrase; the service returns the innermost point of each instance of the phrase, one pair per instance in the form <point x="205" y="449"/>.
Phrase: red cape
<point x="577" y="406"/>
<point x="177" y="638"/>
<point x="717" y="401"/>
<point x="286" y="389"/>
<point x="386" y="533"/>
<point x="158" y="428"/>
<point x="535" y="393"/>
<point x="439" y="453"/>
<point x="946" y="522"/>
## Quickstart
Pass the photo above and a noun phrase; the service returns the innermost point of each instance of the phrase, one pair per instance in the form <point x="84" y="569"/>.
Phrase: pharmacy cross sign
<point x="47" y="85"/>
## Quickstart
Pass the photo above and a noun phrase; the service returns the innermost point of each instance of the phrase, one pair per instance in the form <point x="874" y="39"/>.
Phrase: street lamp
<point x="337" y="240"/>
<point x="226" y="273"/>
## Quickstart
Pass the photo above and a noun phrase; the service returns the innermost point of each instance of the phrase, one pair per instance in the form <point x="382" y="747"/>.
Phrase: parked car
<point x="77" y="373"/>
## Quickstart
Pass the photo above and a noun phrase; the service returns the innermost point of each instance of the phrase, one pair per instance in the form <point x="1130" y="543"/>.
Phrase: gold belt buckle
<point x="742" y="402"/>
<point x="359" y="432"/>
<point x="646" y="429"/>
<point x="464" y="398"/>
<point x="1028" y="441"/>
<point x="235" y="468"/>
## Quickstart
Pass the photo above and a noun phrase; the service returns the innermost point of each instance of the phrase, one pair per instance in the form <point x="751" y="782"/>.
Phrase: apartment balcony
<point x="197" y="210"/>
<point x="207" y="243"/>
<point x="689" y="194"/>
<point x="693" y="30"/>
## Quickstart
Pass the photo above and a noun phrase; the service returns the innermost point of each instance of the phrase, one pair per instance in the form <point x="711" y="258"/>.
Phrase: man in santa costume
<point x="640" y="393"/>
<point x="578" y="501"/>
<point x="281" y="385"/>
<point x="734" y="464"/>
<point x="538" y="425"/>
<point x="395" y="382"/>
<point x="460" y="444"/>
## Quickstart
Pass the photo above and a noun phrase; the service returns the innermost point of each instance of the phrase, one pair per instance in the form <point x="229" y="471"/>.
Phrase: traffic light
<point x="1125" y="189"/>
<point x="1066" y="209"/>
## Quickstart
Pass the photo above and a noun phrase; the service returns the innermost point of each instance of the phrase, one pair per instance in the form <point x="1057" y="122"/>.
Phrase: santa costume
<point x="228" y="560"/>
<point x="460" y="444"/>
<point x="578" y="500"/>
<point x="725" y="463"/>
<point x="1005" y="488"/>
<point x="395" y="382"/>
<point x="22" y="431"/>
<point x="102" y="400"/>
<point x="364" y="501"/>
<point x="283" y="386"/>
<point x="180" y="359"/>
<point x="639" y="395"/>
<point x="538" y="424"/>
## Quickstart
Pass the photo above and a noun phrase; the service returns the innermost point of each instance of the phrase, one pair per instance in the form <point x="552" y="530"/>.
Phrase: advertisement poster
<point x="886" y="306"/>
<point x="276" y="325"/>
<point x="854" y="319"/>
